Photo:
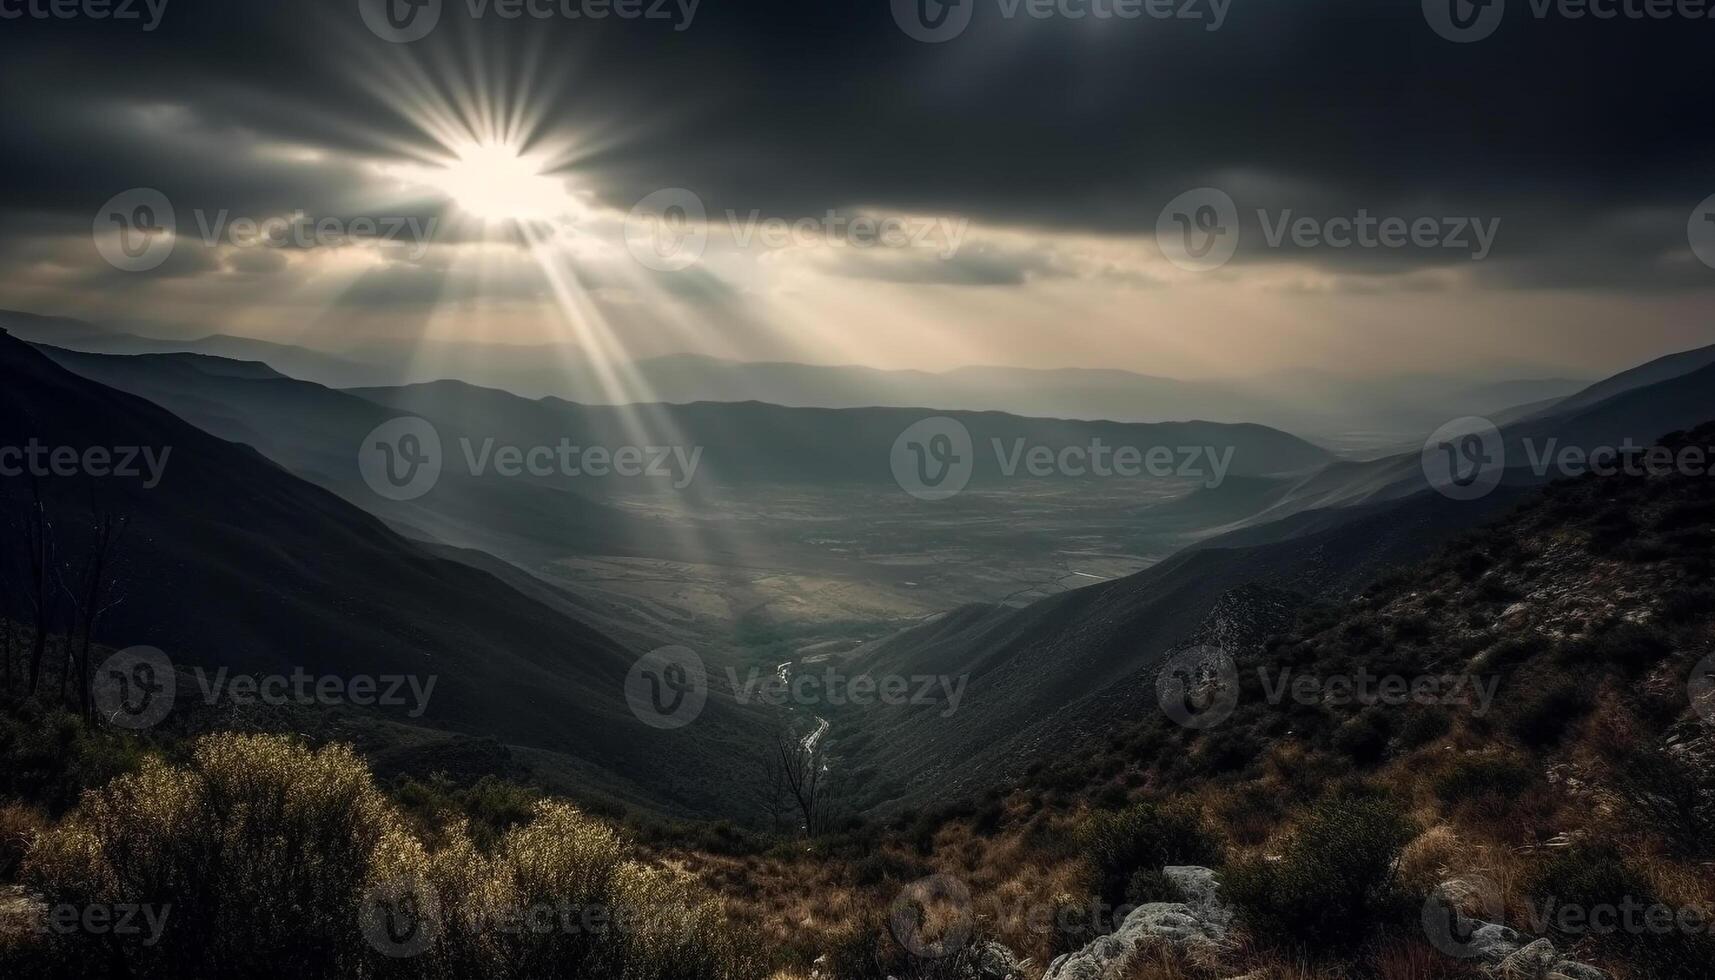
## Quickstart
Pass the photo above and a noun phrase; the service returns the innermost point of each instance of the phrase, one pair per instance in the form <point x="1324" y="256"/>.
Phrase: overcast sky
<point x="1535" y="194"/>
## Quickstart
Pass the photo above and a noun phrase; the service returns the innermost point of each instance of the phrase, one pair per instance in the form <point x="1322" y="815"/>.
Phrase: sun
<point x="497" y="182"/>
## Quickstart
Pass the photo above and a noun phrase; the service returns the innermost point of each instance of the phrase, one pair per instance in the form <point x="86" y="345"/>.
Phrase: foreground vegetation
<point x="267" y="858"/>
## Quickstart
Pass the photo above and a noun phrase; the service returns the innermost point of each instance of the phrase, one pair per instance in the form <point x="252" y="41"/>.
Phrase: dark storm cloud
<point x="975" y="264"/>
<point x="1563" y="129"/>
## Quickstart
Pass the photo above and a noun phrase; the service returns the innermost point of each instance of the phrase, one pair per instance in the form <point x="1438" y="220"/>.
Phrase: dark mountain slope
<point x="1637" y="413"/>
<point x="1654" y="372"/>
<point x="232" y="561"/>
<point x="316" y="433"/>
<point x="1033" y="668"/>
<point x="94" y="338"/>
<point x="1677" y="403"/>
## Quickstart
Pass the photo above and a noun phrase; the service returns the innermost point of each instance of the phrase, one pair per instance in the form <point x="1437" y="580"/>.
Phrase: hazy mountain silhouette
<point x="750" y="441"/>
<point x="317" y="432"/>
<point x="1630" y="412"/>
<point x="1661" y="369"/>
<point x="1336" y="408"/>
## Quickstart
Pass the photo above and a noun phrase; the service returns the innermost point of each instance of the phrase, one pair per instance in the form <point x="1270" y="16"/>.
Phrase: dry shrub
<point x="280" y="861"/>
<point x="1139" y="841"/>
<point x="260" y="847"/>
<point x="1337" y="883"/>
<point x="1414" y="959"/>
<point x="19" y="827"/>
<point x="559" y="897"/>
<point x="1433" y="856"/>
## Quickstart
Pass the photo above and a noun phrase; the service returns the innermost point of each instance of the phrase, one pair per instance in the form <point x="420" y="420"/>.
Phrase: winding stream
<point x="810" y="741"/>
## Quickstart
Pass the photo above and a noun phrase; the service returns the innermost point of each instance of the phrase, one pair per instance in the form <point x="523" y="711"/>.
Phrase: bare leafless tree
<point x="92" y="588"/>
<point x="770" y="791"/>
<point x="800" y="772"/>
<point x="6" y="625"/>
<point x="39" y="568"/>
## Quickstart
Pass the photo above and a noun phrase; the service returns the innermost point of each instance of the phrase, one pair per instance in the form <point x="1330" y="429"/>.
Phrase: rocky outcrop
<point x="1506" y="954"/>
<point x="1202" y="919"/>
<point x="982" y="961"/>
<point x="995" y="962"/>
<point x="1541" y="961"/>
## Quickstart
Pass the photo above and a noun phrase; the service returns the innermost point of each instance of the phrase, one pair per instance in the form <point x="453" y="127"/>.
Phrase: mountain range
<point x="1342" y="411"/>
<point x="266" y="556"/>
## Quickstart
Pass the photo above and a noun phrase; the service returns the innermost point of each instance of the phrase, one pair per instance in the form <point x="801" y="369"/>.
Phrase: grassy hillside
<point x="1561" y="768"/>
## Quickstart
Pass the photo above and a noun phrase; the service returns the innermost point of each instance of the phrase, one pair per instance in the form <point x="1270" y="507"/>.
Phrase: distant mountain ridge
<point x="1340" y="411"/>
<point x="1633" y="411"/>
<point x="316" y="432"/>
<point x="749" y="441"/>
